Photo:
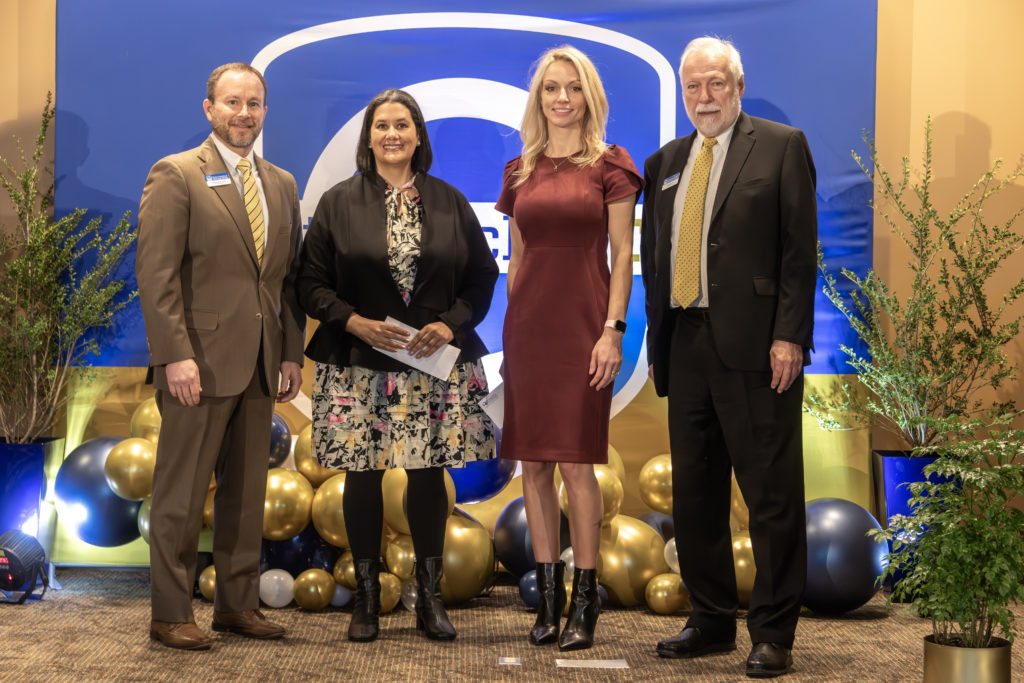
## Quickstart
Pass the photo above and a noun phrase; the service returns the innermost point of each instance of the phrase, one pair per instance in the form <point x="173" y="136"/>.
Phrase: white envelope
<point x="493" y="404"/>
<point x="438" y="365"/>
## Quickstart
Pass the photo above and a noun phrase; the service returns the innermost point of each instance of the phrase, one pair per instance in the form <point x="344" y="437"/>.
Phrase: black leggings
<point x="363" y="505"/>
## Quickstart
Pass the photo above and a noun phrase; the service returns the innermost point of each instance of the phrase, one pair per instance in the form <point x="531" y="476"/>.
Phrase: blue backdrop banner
<point x="131" y="79"/>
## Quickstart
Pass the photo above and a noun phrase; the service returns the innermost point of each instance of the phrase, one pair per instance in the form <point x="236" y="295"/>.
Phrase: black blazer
<point x="344" y="270"/>
<point x="762" y="246"/>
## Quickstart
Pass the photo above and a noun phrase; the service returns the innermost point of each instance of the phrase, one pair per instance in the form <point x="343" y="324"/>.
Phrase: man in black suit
<point x="728" y="248"/>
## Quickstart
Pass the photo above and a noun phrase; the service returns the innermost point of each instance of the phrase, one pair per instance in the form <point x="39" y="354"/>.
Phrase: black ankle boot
<point x="578" y="633"/>
<point x="364" y="625"/>
<point x="430" y="615"/>
<point x="551" y="587"/>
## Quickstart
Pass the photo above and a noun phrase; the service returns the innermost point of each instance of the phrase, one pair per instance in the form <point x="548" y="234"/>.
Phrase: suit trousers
<point x="722" y="419"/>
<point x="228" y="436"/>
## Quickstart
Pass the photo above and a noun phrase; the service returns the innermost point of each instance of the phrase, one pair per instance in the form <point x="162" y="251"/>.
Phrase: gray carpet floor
<point x="96" y="629"/>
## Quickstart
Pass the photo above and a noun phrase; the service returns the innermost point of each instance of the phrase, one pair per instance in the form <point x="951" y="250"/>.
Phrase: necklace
<point x="558" y="164"/>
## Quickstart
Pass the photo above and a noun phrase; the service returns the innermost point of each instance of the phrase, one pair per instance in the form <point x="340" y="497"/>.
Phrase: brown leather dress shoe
<point x="768" y="660"/>
<point x="250" y="623"/>
<point x="692" y="642"/>
<point x="183" y="636"/>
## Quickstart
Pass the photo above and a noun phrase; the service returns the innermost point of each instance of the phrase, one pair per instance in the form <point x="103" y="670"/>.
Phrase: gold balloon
<point x="395" y="488"/>
<point x="656" y="483"/>
<point x="213" y="482"/>
<point x="611" y="494"/>
<point x="390" y="592"/>
<point x="144" y="519"/>
<point x="208" y="582"/>
<point x="288" y="504"/>
<point x="145" y="422"/>
<point x="306" y="462"/>
<point x="328" y="514"/>
<point x="129" y="468"/>
<point x="313" y="589"/>
<point x="486" y="512"/>
<point x="631" y="554"/>
<point x="739" y="515"/>
<point x="615" y="462"/>
<point x="743" y="560"/>
<point x="468" y="559"/>
<point x="400" y="557"/>
<point x="665" y="594"/>
<point x="345" y="570"/>
<point x="208" y="509"/>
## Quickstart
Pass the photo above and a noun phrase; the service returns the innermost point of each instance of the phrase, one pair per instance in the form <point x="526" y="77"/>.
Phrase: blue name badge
<point x="218" y="179"/>
<point x="669" y="182"/>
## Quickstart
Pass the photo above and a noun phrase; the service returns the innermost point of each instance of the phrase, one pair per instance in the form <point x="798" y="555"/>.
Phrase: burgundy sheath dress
<point x="558" y="306"/>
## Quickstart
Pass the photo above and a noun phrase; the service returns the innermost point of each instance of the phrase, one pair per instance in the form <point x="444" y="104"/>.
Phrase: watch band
<point x="617" y="325"/>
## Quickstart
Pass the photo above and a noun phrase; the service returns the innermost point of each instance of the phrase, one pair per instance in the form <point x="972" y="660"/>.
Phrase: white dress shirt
<point x="231" y="161"/>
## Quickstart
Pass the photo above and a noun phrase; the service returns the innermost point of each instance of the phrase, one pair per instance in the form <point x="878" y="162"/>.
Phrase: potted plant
<point x="960" y="551"/>
<point x="57" y="285"/>
<point x="937" y="349"/>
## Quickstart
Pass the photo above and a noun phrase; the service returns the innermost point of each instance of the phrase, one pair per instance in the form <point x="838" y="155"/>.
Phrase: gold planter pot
<point x="949" y="664"/>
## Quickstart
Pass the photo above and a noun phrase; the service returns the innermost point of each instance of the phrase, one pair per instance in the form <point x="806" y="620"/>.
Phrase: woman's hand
<point x="430" y="339"/>
<point x="606" y="358"/>
<point x="377" y="333"/>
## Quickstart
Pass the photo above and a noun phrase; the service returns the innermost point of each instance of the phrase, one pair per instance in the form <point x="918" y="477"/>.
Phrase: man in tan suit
<point x="219" y="234"/>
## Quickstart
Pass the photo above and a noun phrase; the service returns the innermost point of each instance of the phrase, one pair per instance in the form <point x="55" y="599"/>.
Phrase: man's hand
<point x="787" y="360"/>
<point x="291" y="380"/>
<point x="183" y="381"/>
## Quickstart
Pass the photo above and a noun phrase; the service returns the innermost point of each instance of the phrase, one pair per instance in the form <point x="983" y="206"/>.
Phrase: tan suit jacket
<point x="203" y="294"/>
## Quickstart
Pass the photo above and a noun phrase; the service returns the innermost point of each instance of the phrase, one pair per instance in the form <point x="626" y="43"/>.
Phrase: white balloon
<point x="570" y="561"/>
<point x="671" y="556"/>
<point x="276" y="587"/>
<point x="342" y="596"/>
<point x="409" y="594"/>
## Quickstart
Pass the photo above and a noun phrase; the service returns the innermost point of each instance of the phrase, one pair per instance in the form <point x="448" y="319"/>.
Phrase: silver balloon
<point x="570" y="561"/>
<point x="342" y="596"/>
<point x="409" y="594"/>
<point x="276" y="586"/>
<point x="671" y="556"/>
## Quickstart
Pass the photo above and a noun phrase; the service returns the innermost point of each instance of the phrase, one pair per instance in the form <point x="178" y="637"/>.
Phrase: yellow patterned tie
<point x="686" y="276"/>
<point x="251" y="197"/>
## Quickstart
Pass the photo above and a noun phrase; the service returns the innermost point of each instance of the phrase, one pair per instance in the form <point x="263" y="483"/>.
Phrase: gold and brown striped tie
<point x="686" y="276"/>
<point x="253" y="207"/>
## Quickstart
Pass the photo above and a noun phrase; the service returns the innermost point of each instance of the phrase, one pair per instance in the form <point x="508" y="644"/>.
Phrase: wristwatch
<point x="617" y="325"/>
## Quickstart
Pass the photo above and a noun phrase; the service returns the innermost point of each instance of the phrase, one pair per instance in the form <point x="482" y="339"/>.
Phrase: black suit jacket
<point x="762" y="246"/>
<point x="344" y="270"/>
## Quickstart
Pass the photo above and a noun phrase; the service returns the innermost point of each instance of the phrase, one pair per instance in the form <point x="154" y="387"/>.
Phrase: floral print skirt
<point x="367" y="419"/>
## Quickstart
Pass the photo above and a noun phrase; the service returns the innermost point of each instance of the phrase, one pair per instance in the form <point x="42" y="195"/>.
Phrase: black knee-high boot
<point x="364" y="625"/>
<point x="578" y="633"/>
<point x="551" y="588"/>
<point x="430" y="615"/>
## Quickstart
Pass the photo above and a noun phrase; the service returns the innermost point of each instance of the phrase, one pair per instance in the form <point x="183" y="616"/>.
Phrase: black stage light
<point x="21" y="565"/>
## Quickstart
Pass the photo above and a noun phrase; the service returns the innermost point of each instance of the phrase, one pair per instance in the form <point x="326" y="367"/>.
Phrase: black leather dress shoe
<point x="768" y="660"/>
<point x="691" y="642"/>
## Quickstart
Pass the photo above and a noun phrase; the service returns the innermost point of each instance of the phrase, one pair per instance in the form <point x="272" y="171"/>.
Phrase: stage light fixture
<point x="22" y="562"/>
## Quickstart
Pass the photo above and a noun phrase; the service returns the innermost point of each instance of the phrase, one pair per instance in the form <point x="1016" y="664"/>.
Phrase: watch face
<point x="617" y="325"/>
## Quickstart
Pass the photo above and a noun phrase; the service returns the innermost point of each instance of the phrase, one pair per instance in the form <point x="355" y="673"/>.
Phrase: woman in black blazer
<point x="394" y="241"/>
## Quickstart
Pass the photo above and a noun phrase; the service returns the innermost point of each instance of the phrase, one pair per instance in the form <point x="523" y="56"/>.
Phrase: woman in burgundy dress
<point x="568" y="195"/>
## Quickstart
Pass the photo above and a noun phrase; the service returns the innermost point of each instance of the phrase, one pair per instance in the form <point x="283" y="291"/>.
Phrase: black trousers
<point x="722" y="419"/>
<point x="427" y="506"/>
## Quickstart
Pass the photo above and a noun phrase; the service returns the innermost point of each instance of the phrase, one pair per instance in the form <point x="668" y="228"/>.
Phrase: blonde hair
<point x="534" y="129"/>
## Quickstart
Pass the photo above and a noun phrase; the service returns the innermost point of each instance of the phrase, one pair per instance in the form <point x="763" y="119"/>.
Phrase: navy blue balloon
<point x="512" y="544"/>
<point x="86" y="503"/>
<point x="528" y="589"/>
<point x="481" y="479"/>
<point x="280" y="441"/>
<point x="301" y="552"/>
<point x="660" y="522"/>
<point x="843" y="564"/>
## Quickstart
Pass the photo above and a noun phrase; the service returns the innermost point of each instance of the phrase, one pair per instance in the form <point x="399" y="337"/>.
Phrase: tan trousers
<point x="229" y="436"/>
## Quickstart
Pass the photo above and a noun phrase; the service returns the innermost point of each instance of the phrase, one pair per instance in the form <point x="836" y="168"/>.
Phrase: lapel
<point x="210" y="162"/>
<point x="666" y="201"/>
<point x="739" y="149"/>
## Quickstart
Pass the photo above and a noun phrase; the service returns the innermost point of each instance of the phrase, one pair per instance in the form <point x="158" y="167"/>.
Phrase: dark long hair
<point x="422" y="158"/>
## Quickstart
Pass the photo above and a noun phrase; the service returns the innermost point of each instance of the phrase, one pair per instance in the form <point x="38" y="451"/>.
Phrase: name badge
<point x="218" y="179"/>
<point x="669" y="182"/>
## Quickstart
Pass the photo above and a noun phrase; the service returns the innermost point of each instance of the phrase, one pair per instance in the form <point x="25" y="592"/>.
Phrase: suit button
<point x="259" y="316"/>
<point x="713" y="244"/>
<point x="713" y="284"/>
